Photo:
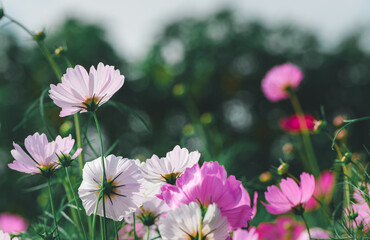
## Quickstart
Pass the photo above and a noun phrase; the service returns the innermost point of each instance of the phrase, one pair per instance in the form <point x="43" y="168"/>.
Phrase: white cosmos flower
<point x="158" y="171"/>
<point x="123" y="194"/>
<point x="150" y="211"/>
<point x="184" y="223"/>
<point x="6" y="236"/>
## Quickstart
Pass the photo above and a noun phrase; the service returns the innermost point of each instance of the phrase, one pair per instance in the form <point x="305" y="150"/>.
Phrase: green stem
<point x="308" y="229"/>
<point x="94" y="217"/>
<point x="52" y="210"/>
<point x="147" y="232"/>
<point x="70" y="199"/>
<point x="104" y="177"/>
<point x="115" y="230"/>
<point x="77" y="204"/>
<point x="134" y="226"/>
<point x="50" y="59"/>
<point x="79" y="141"/>
<point x="312" y="162"/>
<point x="200" y="237"/>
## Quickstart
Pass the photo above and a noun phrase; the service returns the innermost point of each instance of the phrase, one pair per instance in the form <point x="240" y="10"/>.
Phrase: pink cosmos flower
<point x="65" y="145"/>
<point x="210" y="184"/>
<point x="279" y="79"/>
<point x="323" y="190"/>
<point x="41" y="156"/>
<point x="316" y="233"/>
<point x="362" y="208"/>
<point x="292" y="125"/>
<point x="81" y="91"/>
<point x="290" y="195"/>
<point x="282" y="229"/>
<point x="242" y="234"/>
<point x="12" y="223"/>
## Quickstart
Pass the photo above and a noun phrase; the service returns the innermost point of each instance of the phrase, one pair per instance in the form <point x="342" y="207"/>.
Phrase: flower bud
<point x="353" y="215"/>
<point x="1" y="13"/>
<point x="66" y="128"/>
<point x="178" y="90"/>
<point x="60" y="51"/>
<point x="188" y="130"/>
<point x="360" y="226"/>
<point x="40" y="36"/>
<point x="265" y="177"/>
<point x="206" y="118"/>
<point x="319" y="125"/>
<point x="342" y="134"/>
<point x="338" y="120"/>
<point x="346" y="158"/>
<point x="288" y="148"/>
<point x="283" y="168"/>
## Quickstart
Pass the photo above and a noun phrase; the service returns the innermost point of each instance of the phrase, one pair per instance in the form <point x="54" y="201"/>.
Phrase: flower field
<point x="238" y="136"/>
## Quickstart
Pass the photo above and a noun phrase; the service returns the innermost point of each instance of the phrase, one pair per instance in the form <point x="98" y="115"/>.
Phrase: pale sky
<point x="132" y="26"/>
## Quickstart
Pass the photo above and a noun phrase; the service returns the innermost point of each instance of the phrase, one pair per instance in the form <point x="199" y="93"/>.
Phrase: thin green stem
<point x="200" y="237"/>
<point x="94" y="217"/>
<point x="50" y="59"/>
<point x="312" y="162"/>
<point x="308" y="229"/>
<point x="77" y="204"/>
<point x="104" y="177"/>
<point x="79" y="141"/>
<point x="52" y="210"/>
<point x="147" y="232"/>
<point x="115" y="230"/>
<point x="134" y="226"/>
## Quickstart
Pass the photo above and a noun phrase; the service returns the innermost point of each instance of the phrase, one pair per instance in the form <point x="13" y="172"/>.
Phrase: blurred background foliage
<point x="198" y="86"/>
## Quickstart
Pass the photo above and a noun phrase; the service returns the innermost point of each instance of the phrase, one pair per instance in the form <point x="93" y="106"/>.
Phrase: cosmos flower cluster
<point x="175" y="196"/>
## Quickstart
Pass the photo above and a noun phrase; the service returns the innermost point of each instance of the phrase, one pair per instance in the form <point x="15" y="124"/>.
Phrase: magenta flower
<point x="278" y="81"/>
<point x="207" y="185"/>
<point x="12" y="223"/>
<point x="81" y="91"/>
<point x="242" y="234"/>
<point x="323" y="190"/>
<point x="283" y="228"/>
<point x="41" y="158"/>
<point x="290" y="195"/>
<point x="292" y="125"/>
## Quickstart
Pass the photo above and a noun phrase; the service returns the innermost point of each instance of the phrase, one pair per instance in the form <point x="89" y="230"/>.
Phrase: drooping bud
<point x="283" y="168"/>
<point x="40" y="36"/>
<point x="346" y="158"/>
